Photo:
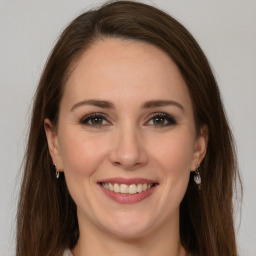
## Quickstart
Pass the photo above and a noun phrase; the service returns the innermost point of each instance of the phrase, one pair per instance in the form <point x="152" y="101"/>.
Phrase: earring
<point x="197" y="177"/>
<point x="57" y="171"/>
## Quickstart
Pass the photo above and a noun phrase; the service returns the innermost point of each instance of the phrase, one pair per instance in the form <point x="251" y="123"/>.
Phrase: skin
<point x="130" y="141"/>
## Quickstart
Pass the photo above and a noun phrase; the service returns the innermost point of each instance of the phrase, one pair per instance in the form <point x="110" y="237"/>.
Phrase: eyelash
<point x="166" y="117"/>
<point x="88" y="118"/>
<point x="163" y="116"/>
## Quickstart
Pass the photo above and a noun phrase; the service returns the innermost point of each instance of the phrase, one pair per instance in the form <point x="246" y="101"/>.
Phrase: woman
<point x="129" y="151"/>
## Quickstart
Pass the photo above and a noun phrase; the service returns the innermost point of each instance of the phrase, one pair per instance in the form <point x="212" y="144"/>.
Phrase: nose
<point x="128" y="150"/>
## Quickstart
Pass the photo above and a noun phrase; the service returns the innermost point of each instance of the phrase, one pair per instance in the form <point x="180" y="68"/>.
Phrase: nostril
<point x="127" y="157"/>
<point x="127" y="165"/>
<point x="117" y="163"/>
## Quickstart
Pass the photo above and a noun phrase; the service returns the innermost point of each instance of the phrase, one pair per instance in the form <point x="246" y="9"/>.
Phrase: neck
<point x="127" y="248"/>
<point x="164" y="242"/>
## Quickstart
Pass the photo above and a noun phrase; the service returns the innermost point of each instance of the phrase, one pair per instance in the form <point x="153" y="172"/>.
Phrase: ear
<point x="200" y="147"/>
<point x="53" y="144"/>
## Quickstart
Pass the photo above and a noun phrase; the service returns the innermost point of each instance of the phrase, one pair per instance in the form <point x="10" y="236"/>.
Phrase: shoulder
<point x="67" y="253"/>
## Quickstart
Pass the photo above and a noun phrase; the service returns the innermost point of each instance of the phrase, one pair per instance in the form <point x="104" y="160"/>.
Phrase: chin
<point x="130" y="227"/>
<point x="130" y="234"/>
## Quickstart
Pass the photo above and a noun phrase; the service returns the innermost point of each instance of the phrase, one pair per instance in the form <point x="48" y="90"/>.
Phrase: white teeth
<point x="139" y="188"/>
<point x="110" y="186"/>
<point x="116" y="188"/>
<point x="132" y="189"/>
<point x="127" y="189"/>
<point x="124" y="188"/>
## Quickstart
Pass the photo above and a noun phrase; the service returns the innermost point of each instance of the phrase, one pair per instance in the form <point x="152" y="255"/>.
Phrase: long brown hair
<point x="47" y="220"/>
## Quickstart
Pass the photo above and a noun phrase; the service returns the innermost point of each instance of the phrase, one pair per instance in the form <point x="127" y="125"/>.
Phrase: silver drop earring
<point x="197" y="177"/>
<point x="57" y="171"/>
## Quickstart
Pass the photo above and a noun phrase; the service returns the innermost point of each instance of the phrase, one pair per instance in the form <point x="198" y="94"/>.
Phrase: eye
<point x="96" y="120"/>
<point x="161" y="120"/>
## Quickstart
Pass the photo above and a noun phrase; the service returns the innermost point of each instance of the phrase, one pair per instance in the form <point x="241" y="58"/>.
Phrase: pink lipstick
<point x="127" y="190"/>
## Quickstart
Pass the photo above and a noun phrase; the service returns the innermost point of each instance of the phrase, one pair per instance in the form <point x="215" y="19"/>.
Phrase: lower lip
<point x="128" y="198"/>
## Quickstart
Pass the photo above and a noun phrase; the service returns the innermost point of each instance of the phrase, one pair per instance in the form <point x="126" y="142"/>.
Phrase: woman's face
<point x="126" y="124"/>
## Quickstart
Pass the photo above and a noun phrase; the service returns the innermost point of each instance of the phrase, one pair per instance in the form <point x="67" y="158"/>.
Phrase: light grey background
<point x="226" y="30"/>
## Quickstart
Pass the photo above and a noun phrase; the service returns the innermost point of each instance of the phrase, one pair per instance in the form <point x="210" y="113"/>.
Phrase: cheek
<point x="175" y="153"/>
<point x="173" y="158"/>
<point x="80" y="154"/>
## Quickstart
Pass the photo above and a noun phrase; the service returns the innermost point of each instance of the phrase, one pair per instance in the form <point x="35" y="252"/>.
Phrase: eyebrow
<point x="147" y="104"/>
<point x="92" y="102"/>
<point x="162" y="103"/>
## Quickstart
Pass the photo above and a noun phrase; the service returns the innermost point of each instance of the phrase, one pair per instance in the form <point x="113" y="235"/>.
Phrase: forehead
<point x="113" y="67"/>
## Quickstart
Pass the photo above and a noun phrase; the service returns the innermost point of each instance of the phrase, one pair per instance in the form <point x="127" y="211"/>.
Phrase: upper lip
<point x="127" y="181"/>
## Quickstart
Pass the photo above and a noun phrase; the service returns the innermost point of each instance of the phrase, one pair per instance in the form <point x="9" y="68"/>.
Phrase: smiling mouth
<point x="127" y="189"/>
